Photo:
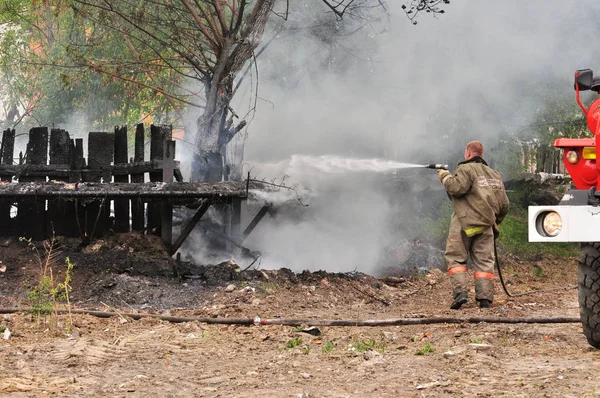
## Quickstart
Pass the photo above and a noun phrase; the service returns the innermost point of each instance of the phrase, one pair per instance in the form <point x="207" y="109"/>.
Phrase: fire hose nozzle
<point x="436" y="166"/>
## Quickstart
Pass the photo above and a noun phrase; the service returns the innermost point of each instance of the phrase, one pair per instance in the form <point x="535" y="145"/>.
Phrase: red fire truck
<point x="577" y="217"/>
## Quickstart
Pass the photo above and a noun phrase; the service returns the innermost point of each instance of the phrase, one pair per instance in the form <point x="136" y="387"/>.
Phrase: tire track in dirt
<point x="84" y="352"/>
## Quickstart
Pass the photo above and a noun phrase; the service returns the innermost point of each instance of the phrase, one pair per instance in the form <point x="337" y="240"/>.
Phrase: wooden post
<point x="261" y="213"/>
<point x="121" y="205"/>
<point x="158" y="136"/>
<point x="101" y="148"/>
<point x="236" y="219"/>
<point x="137" y="206"/>
<point x="76" y="213"/>
<point x="6" y="157"/>
<point x="166" y="225"/>
<point x="31" y="214"/>
<point x="189" y="227"/>
<point x="60" y="148"/>
<point x="77" y="161"/>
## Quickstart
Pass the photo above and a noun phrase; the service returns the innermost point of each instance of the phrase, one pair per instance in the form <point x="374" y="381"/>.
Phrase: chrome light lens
<point x="572" y="157"/>
<point x="551" y="223"/>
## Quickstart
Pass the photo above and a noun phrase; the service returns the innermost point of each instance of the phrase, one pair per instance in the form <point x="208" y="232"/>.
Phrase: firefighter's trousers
<point x="480" y="246"/>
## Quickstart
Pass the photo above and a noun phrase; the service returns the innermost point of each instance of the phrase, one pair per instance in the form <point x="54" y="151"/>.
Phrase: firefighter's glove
<point x="443" y="174"/>
<point x="496" y="231"/>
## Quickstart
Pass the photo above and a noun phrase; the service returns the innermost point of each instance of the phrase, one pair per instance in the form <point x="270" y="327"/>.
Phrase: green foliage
<point x="48" y="294"/>
<point x="426" y="350"/>
<point x="41" y="298"/>
<point x="267" y="287"/>
<point x="537" y="271"/>
<point x="366" y="345"/>
<point x="61" y="66"/>
<point x="293" y="343"/>
<point x="328" y="347"/>
<point x="477" y="340"/>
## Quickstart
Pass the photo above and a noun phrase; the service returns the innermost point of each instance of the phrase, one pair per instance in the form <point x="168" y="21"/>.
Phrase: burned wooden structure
<point x="53" y="190"/>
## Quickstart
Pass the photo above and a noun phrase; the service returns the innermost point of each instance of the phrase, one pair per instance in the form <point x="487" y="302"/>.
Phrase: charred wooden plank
<point x="158" y="137"/>
<point x="66" y="170"/>
<point x="190" y="226"/>
<point x="137" y="206"/>
<point x="121" y="205"/>
<point x="77" y="162"/>
<point x="60" y="215"/>
<point x="219" y="191"/>
<point x="261" y="213"/>
<point x="31" y="214"/>
<point x="101" y="147"/>
<point x="7" y="148"/>
<point x="166" y="211"/>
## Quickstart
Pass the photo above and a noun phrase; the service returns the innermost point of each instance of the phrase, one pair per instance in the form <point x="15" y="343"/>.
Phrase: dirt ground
<point x="122" y="357"/>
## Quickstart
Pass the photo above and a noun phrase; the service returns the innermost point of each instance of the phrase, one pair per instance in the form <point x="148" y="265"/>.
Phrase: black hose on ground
<point x="509" y="294"/>
<point x="309" y="322"/>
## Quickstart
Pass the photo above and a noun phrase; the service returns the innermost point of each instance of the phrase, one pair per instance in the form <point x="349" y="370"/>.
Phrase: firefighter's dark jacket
<point x="477" y="193"/>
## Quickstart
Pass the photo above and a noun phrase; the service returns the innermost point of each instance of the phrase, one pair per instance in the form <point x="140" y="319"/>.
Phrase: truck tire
<point x="589" y="291"/>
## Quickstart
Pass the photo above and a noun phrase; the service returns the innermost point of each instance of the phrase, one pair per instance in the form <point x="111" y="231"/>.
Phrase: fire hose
<point x="309" y="322"/>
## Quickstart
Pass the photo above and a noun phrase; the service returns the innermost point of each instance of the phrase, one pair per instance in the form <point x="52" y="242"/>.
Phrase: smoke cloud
<point x="395" y="91"/>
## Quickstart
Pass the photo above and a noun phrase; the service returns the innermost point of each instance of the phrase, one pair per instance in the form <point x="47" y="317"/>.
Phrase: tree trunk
<point x="214" y="130"/>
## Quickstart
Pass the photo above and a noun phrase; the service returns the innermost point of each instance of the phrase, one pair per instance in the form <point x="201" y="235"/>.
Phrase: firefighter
<point x="479" y="205"/>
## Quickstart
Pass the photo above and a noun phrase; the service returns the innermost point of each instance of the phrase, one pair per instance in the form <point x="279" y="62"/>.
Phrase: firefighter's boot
<point x="483" y="303"/>
<point x="460" y="299"/>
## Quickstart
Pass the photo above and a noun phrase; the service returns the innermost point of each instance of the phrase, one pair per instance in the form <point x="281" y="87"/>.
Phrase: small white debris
<point x="230" y="288"/>
<point x="448" y="354"/>
<point x="7" y="334"/>
<point x="428" y="385"/>
<point x="2" y="267"/>
<point x="481" y="347"/>
<point x="560" y="377"/>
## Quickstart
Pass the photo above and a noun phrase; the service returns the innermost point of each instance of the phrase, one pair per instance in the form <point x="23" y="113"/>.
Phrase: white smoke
<point x="400" y="92"/>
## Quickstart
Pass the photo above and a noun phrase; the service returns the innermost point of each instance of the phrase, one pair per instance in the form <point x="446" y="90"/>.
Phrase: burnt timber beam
<point x="259" y="216"/>
<point x="185" y="232"/>
<point x="137" y="207"/>
<point x="218" y="192"/>
<point x="166" y="209"/>
<point x="159" y="135"/>
<point x="121" y="206"/>
<point x="65" y="170"/>
<point x="32" y="208"/>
